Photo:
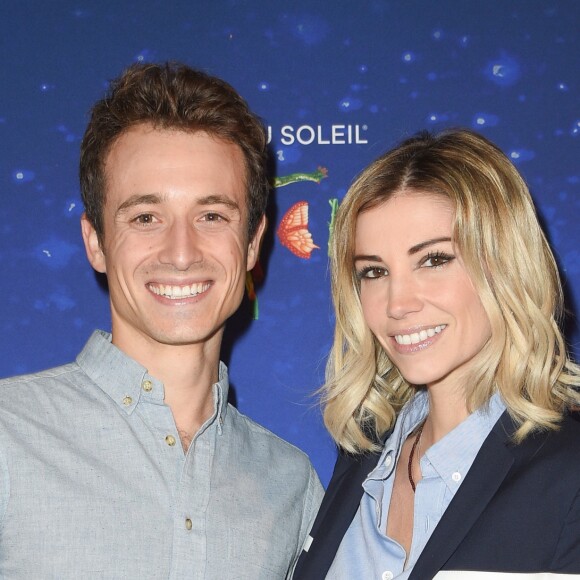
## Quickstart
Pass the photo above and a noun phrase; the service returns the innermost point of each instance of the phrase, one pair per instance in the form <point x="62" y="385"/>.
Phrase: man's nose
<point x="181" y="246"/>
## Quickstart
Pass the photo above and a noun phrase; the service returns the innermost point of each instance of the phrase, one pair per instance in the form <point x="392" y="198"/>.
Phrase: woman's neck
<point x="447" y="409"/>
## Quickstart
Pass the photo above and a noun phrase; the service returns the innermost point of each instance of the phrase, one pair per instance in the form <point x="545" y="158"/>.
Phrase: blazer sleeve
<point x="567" y="556"/>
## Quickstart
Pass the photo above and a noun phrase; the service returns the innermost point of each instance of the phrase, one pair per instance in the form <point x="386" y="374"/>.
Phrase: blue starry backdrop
<point x="336" y="83"/>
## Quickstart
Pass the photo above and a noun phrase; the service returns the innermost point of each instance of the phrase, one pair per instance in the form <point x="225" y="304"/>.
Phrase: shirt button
<point x="388" y="461"/>
<point x="456" y="476"/>
<point x="170" y="440"/>
<point x="127" y="401"/>
<point x="188" y="524"/>
<point x="147" y="386"/>
<point x="387" y="575"/>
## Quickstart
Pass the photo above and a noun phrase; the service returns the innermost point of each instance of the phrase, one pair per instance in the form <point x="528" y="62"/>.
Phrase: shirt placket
<point x="191" y="505"/>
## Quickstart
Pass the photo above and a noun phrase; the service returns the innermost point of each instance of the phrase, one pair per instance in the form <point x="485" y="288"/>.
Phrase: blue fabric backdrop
<point x="337" y="83"/>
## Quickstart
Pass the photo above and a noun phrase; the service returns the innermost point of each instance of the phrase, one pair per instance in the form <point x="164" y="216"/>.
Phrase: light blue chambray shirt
<point x="94" y="482"/>
<point x="366" y="551"/>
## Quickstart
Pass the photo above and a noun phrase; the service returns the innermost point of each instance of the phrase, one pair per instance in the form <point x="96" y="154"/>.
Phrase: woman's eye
<point x="371" y="272"/>
<point x="437" y="260"/>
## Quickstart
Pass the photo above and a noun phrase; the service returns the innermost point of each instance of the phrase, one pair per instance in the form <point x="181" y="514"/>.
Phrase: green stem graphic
<point x="316" y="176"/>
<point x="333" y="209"/>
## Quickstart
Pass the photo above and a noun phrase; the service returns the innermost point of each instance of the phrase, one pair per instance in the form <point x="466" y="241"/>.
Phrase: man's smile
<point x="174" y="292"/>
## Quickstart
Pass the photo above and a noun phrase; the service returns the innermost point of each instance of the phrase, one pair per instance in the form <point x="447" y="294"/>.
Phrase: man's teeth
<point x="419" y="336"/>
<point x="174" y="292"/>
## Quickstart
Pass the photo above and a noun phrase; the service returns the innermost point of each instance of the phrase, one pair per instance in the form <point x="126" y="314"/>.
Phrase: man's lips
<point x="175" y="292"/>
<point x="419" y="336"/>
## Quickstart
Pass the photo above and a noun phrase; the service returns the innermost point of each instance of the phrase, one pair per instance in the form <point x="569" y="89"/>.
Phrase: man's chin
<point x="182" y="337"/>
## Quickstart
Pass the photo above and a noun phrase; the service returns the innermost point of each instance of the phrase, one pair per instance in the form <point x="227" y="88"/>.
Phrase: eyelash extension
<point x="439" y="255"/>
<point x="361" y="274"/>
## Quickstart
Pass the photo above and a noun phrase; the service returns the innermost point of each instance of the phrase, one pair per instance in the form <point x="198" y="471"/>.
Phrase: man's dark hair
<point x="172" y="96"/>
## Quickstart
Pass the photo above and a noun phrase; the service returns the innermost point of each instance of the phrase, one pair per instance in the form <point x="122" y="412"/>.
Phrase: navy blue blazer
<point x="517" y="510"/>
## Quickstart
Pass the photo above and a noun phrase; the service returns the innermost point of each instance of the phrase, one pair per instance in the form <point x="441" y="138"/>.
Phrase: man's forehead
<point x="144" y="130"/>
<point x="144" y="157"/>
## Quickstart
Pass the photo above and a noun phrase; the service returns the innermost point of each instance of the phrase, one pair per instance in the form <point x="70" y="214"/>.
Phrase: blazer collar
<point x="492" y="464"/>
<point x="488" y="471"/>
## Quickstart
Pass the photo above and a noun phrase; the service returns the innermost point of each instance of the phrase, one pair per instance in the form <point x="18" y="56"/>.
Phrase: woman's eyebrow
<point x="367" y="258"/>
<point x="418" y="247"/>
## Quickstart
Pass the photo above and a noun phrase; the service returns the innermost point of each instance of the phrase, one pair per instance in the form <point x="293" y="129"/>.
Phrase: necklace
<point x="412" y="455"/>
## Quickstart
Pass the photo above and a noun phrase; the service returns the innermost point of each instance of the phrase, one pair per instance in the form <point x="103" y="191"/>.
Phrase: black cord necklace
<point x="412" y="456"/>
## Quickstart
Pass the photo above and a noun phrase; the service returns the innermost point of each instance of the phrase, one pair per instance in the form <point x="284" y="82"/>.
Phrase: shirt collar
<point x="125" y="381"/>
<point x="220" y="396"/>
<point x="455" y="452"/>
<point x="413" y="413"/>
<point x="452" y="456"/>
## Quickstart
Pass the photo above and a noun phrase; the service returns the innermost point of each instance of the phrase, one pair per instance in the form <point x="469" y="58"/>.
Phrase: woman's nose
<point x="402" y="296"/>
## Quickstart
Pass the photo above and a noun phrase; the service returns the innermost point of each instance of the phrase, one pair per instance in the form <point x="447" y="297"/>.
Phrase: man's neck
<point x="188" y="373"/>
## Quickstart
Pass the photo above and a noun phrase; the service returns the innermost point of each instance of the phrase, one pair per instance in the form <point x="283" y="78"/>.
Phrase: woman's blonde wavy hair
<point x="507" y="256"/>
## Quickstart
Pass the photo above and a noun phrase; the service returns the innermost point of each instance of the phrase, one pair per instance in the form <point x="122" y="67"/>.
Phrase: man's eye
<point x="213" y="217"/>
<point x="144" y="218"/>
<point x="371" y="272"/>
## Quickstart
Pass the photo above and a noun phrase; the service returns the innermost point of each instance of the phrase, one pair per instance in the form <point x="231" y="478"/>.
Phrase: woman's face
<point x="417" y="297"/>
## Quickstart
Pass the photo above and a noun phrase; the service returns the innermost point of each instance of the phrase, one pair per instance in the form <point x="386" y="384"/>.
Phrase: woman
<point x="448" y="386"/>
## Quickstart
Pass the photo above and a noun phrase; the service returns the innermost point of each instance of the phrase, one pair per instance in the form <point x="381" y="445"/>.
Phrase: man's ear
<point x="256" y="244"/>
<point x="93" y="247"/>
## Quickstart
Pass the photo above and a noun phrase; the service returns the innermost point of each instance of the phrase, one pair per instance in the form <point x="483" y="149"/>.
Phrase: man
<point x="129" y="463"/>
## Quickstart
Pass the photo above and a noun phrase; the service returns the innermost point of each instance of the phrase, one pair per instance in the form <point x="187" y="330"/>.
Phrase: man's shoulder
<point x="259" y="436"/>
<point x="65" y="374"/>
<point x="270" y="461"/>
<point x="55" y="374"/>
<point x="33" y="396"/>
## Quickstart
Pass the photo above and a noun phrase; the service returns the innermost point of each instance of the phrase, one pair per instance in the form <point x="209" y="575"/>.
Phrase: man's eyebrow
<point x="426" y="244"/>
<point x="155" y="198"/>
<point x="137" y="199"/>
<point x="219" y="200"/>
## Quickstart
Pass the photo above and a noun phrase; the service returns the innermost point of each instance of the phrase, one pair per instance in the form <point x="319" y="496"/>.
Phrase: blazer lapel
<point x="487" y="473"/>
<point x="335" y="515"/>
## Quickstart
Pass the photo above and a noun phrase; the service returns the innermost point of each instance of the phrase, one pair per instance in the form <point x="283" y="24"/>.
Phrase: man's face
<point x="175" y="247"/>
